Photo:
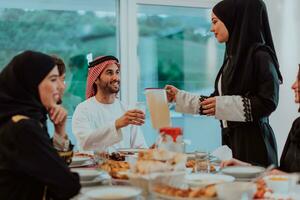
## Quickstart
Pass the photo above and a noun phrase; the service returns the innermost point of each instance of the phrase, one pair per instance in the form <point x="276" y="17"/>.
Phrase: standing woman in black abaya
<point x="247" y="85"/>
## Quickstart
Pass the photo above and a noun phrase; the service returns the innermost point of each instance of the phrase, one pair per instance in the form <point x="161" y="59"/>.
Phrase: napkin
<point x="223" y="153"/>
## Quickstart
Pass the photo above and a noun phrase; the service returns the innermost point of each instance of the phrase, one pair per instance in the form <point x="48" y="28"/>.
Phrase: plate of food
<point x="243" y="171"/>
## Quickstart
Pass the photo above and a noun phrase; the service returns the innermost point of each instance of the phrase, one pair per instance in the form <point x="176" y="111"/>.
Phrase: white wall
<point x="285" y="25"/>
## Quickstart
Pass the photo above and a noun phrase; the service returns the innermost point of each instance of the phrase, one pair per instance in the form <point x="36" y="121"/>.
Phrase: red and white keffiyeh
<point x="93" y="73"/>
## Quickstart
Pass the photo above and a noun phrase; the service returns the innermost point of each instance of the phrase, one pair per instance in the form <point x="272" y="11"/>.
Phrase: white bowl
<point x="243" y="171"/>
<point x="278" y="183"/>
<point x="235" y="190"/>
<point x="114" y="193"/>
<point x="87" y="174"/>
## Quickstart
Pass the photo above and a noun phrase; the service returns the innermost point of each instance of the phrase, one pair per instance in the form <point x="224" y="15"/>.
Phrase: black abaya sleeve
<point x="34" y="155"/>
<point x="265" y="96"/>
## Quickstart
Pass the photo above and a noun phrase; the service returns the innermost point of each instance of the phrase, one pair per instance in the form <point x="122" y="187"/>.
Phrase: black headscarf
<point x="19" y="82"/>
<point x="248" y="26"/>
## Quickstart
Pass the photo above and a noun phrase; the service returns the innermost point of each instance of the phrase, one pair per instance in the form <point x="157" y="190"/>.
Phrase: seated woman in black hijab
<point x="290" y="157"/>
<point x="30" y="167"/>
<point x="247" y="85"/>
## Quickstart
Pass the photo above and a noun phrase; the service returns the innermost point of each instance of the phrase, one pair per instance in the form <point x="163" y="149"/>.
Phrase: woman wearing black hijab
<point x="290" y="157"/>
<point x="247" y="85"/>
<point x="30" y="168"/>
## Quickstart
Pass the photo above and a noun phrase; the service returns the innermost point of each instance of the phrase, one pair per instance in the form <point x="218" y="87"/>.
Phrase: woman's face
<point x="295" y="87"/>
<point x="219" y="29"/>
<point x="49" y="89"/>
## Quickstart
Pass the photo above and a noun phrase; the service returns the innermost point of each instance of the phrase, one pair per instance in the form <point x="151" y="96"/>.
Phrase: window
<point x="173" y="40"/>
<point x="69" y="29"/>
<point x="70" y="34"/>
<point x="175" y="47"/>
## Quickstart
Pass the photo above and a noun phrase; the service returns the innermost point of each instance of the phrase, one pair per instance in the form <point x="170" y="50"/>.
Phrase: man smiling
<point x="102" y="121"/>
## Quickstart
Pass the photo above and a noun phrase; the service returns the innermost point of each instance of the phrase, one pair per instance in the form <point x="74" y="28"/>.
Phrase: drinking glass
<point x="140" y="105"/>
<point x="202" y="164"/>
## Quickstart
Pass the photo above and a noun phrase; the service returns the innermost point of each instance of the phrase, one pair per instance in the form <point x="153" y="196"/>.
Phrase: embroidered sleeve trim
<point x="247" y="109"/>
<point x="201" y="98"/>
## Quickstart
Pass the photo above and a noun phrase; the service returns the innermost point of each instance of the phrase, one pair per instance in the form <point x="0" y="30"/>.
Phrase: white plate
<point x="243" y="171"/>
<point x="114" y="193"/>
<point x="86" y="163"/>
<point x="87" y="174"/>
<point x="78" y="160"/>
<point x="96" y="181"/>
<point x="207" y="179"/>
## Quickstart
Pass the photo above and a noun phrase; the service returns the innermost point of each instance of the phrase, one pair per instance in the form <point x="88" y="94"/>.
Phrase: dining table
<point x="107" y="180"/>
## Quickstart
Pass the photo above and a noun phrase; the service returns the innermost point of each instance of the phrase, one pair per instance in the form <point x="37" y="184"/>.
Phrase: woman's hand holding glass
<point x="171" y="93"/>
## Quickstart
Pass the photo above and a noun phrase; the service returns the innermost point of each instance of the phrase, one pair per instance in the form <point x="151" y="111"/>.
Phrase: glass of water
<point x="139" y="106"/>
<point x="202" y="164"/>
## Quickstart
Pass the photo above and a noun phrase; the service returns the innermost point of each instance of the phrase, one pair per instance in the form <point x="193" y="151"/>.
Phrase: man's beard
<point x="108" y="88"/>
